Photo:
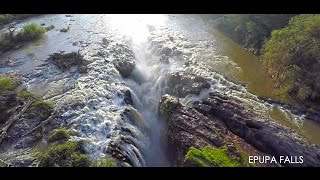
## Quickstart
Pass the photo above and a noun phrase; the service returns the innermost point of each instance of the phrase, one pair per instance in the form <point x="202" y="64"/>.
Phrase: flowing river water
<point x="92" y="104"/>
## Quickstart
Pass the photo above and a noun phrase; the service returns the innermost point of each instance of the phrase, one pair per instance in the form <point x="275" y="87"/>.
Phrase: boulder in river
<point x="66" y="61"/>
<point x="65" y="29"/>
<point x="182" y="83"/>
<point x="124" y="66"/>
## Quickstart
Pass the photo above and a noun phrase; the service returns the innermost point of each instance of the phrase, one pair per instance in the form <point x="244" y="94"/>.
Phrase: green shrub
<point x="25" y="94"/>
<point x="43" y="105"/>
<point x="63" y="155"/>
<point x="6" y="83"/>
<point x="59" y="135"/>
<point x="40" y="109"/>
<point x="80" y="160"/>
<point x="38" y="135"/>
<point x="209" y="156"/>
<point x="32" y="31"/>
<point x="291" y="57"/>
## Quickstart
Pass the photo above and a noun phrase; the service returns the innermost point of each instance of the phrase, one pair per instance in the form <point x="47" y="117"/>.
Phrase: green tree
<point x="292" y="57"/>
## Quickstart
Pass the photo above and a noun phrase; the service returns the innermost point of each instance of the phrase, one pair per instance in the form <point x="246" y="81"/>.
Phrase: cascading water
<point x="92" y="105"/>
<point x="147" y="85"/>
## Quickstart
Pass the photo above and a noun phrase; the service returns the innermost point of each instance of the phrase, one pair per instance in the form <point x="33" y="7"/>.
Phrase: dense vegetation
<point x="291" y="57"/>
<point x="251" y="30"/>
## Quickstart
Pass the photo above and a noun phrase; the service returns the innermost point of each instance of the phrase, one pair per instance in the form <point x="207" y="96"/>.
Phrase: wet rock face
<point x="261" y="132"/>
<point x="182" y="83"/>
<point x="124" y="60"/>
<point x="17" y="136"/>
<point x="124" y="66"/>
<point x="126" y="147"/>
<point x="188" y="127"/>
<point x="8" y="99"/>
<point x="220" y="121"/>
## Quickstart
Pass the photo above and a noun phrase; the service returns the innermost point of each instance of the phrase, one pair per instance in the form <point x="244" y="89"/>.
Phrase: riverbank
<point x="260" y="34"/>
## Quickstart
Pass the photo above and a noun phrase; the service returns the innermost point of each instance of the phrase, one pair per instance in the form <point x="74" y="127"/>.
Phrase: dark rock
<point x="182" y="83"/>
<point x="261" y="132"/>
<point x="49" y="27"/>
<point x="124" y="66"/>
<point x="220" y="121"/>
<point x="127" y="97"/>
<point x="7" y="100"/>
<point x="9" y="63"/>
<point x="187" y="127"/>
<point x="65" y="29"/>
<point x="315" y="116"/>
<point x="66" y="61"/>
<point x="105" y="41"/>
<point x="166" y="51"/>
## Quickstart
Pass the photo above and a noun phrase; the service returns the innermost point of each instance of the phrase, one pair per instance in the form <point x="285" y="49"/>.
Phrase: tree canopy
<point x="292" y="57"/>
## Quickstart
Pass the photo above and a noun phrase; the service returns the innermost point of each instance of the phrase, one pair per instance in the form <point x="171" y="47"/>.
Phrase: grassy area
<point x="67" y="154"/>
<point x="59" y="135"/>
<point x="31" y="32"/>
<point x="6" y="83"/>
<point x="209" y="156"/>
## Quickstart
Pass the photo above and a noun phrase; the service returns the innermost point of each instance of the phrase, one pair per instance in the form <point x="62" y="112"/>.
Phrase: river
<point x="92" y="104"/>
